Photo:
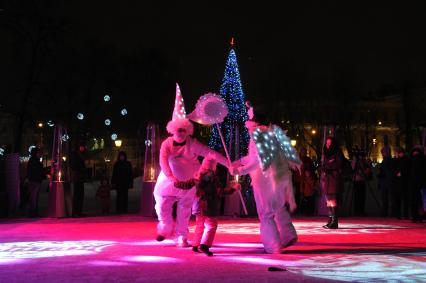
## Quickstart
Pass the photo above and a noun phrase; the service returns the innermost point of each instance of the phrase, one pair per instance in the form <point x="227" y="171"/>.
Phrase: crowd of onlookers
<point x="121" y="181"/>
<point x="401" y="182"/>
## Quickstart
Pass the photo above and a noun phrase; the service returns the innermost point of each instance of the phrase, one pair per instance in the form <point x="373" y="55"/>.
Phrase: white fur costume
<point x="271" y="195"/>
<point x="182" y="163"/>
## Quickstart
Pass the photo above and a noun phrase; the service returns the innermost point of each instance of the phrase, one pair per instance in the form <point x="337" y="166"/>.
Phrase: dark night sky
<point x="308" y="46"/>
<point x="377" y="42"/>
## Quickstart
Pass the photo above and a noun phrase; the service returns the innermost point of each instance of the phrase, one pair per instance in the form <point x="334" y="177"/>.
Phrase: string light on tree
<point x="107" y="98"/>
<point x="107" y="122"/>
<point x="124" y="112"/>
<point x="114" y="136"/>
<point x="50" y="123"/>
<point x="80" y="116"/>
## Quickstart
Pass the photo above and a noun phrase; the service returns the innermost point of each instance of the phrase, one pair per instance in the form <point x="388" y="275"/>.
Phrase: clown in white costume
<point x="179" y="162"/>
<point x="272" y="183"/>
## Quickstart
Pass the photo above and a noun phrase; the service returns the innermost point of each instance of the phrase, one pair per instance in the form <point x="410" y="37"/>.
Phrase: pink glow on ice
<point x="260" y="261"/>
<point x="107" y="263"/>
<point x="151" y="259"/>
<point x="235" y="228"/>
<point x="240" y="245"/>
<point x="6" y="261"/>
<point x="153" y="243"/>
<point x="42" y="249"/>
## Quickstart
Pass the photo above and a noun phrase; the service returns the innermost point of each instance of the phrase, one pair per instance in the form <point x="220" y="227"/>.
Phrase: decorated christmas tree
<point x="235" y="133"/>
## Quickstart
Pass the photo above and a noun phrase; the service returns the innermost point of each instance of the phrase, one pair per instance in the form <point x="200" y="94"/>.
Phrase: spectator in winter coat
<point x="401" y="189"/>
<point x="417" y="183"/>
<point x="78" y="177"/>
<point x="386" y="179"/>
<point x="104" y="195"/>
<point x="307" y="183"/>
<point x="332" y="179"/>
<point x="122" y="181"/>
<point x="35" y="175"/>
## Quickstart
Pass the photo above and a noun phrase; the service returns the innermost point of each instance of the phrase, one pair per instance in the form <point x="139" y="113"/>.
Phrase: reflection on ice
<point x="42" y="249"/>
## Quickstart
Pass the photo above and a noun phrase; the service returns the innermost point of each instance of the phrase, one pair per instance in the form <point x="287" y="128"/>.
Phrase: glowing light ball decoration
<point x="50" y="123"/>
<point x="107" y="122"/>
<point x="123" y="112"/>
<point x="233" y="128"/>
<point x="114" y="137"/>
<point x="107" y="98"/>
<point x="80" y="116"/>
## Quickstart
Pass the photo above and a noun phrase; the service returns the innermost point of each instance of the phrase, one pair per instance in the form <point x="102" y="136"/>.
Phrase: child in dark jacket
<point x="103" y="194"/>
<point x="206" y="205"/>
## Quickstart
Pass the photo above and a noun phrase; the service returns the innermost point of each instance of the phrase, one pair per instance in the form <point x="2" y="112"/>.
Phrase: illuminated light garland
<point x="232" y="93"/>
<point x="271" y="143"/>
<point x="179" y="110"/>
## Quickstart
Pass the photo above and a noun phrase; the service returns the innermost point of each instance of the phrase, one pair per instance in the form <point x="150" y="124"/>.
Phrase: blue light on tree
<point x="232" y="92"/>
<point x="114" y="137"/>
<point x="107" y="122"/>
<point x="107" y="98"/>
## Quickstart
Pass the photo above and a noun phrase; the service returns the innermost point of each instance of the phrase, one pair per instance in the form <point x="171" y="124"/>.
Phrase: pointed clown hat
<point x="179" y="119"/>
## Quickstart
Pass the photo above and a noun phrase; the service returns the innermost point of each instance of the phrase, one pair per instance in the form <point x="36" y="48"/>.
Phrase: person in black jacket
<point x="35" y="175"/>
<point x="386" y="178"/>
<point x="331" y="174"/>
<point x="401" y="194"/>
<point x="78" y="177"/>
<point x="122" y="181"/>
<point x="417" y="183"/>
